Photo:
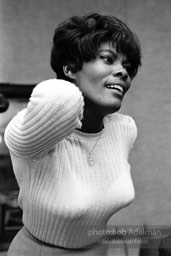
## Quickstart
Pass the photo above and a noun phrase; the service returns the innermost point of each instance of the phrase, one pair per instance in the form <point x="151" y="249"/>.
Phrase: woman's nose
<point x="121" y="73"/>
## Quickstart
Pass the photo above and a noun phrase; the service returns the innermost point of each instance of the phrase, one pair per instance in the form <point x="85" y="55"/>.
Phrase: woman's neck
<point x="92" y="121"/>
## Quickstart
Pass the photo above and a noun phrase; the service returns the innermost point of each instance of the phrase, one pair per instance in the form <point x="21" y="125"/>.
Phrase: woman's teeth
<point x="115" y="86"/>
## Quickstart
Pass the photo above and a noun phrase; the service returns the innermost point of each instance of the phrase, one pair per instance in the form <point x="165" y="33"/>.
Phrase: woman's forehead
<point x="107" y="46"/>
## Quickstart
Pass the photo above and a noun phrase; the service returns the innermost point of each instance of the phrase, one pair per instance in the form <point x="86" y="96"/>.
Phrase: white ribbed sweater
<point x="62" y="197"/>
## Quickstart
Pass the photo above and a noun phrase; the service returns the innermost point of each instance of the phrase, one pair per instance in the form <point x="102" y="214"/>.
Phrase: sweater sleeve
<point x="54" y="110"/>
<point x="131" y="132"/>
<point x="127" y="128"/>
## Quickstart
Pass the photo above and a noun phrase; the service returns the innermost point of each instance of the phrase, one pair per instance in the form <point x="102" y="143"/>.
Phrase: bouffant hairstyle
<point x="77" y="40"/>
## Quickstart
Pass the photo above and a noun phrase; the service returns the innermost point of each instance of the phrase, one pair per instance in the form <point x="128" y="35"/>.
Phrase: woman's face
<point x="105" y="80"/>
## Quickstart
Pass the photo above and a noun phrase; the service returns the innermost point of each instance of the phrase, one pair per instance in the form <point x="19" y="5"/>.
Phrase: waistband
<point x="36" y="240"/>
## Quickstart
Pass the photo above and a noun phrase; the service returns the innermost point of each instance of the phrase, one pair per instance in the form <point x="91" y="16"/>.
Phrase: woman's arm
<point x="53" y="112"/>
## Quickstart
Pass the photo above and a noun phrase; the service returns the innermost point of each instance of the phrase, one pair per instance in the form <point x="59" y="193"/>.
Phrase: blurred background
<point x="26" y="31"/>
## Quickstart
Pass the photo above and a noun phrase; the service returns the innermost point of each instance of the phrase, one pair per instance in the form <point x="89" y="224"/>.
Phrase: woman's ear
<point x="67" y="69"/>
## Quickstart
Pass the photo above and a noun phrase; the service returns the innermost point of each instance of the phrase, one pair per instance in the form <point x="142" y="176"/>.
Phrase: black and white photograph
<point x="85" y="124"/>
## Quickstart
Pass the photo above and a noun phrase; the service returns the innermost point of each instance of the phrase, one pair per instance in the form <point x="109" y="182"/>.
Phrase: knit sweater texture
<point x="63" y="198"/>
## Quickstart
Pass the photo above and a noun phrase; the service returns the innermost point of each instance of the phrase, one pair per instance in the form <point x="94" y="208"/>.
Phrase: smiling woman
<point x="70" y="147"/>
<point x="103" y="81"/>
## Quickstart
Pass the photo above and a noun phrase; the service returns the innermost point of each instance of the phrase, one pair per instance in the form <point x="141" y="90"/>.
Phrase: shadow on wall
<point x="4" y="103"/>
<point x="158" y="245"/>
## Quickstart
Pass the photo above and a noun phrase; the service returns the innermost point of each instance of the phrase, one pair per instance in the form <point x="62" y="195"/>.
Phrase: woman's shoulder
<point x="120" y="118"/>
<point x="122" y="124"/>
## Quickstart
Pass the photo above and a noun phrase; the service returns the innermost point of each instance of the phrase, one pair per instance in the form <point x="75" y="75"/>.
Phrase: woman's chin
<point x="113" y="107"/>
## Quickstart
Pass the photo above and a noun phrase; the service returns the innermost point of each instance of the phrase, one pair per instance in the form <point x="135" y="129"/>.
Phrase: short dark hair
<point x="77" y="40"/>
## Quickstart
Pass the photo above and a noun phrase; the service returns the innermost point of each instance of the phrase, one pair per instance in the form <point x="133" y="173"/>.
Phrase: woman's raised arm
<point x="54" y="110"/>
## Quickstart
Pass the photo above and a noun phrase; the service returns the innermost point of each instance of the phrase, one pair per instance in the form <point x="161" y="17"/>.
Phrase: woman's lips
<point x="117" y="87"/>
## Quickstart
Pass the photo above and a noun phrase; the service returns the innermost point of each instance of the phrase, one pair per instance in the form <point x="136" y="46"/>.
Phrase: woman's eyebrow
<point x="114" y="54"/>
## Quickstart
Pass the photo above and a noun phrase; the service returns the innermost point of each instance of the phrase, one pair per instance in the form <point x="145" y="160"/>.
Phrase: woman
<point x="69" y="147"/>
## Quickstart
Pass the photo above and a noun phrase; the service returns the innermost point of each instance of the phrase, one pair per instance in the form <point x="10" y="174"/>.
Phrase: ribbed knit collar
<point x="89" y="136"/>
<point x="95" y="136"/>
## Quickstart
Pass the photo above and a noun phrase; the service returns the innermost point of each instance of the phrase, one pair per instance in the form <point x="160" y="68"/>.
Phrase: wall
<point x="26" y="30"/>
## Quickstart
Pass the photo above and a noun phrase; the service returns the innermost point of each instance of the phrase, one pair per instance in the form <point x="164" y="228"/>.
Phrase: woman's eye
<point x="107" y="59"/>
